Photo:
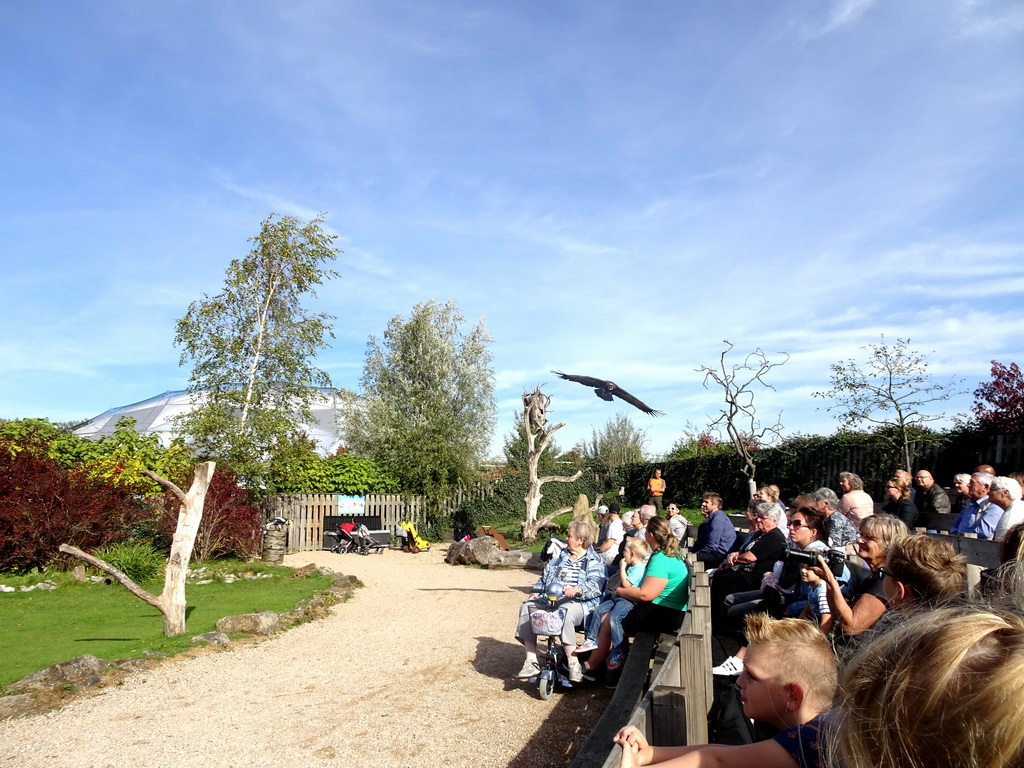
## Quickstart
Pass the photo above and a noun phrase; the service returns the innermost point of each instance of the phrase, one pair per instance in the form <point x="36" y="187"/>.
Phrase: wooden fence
<point x="306" y="513"/>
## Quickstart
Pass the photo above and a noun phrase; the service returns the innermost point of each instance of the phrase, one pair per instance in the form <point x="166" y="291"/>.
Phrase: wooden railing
<point x="665" y="687"/>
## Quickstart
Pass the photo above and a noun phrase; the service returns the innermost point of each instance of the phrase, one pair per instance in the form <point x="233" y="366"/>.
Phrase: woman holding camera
<point x="808" y="533"/>
<point x="867" y="603"/>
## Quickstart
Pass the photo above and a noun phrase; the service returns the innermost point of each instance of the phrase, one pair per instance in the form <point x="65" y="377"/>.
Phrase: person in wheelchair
<point x="580" y="572"/>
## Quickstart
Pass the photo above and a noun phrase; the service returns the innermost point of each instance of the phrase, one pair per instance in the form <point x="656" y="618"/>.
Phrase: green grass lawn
<point x="42" y="628"/>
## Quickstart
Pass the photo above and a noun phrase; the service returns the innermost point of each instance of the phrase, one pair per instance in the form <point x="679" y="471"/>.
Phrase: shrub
<point x="138" y="560"/>
<point x="44" y="505"/>
<point x="232" y="525"/>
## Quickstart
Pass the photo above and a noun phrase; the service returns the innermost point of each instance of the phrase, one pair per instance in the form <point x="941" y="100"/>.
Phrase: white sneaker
<point x="575" y="670"/>
<point x="729" y="668"/>
<point x="530" y="668"/>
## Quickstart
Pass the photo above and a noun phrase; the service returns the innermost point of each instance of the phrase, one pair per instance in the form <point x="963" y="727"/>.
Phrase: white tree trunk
<point x="171" y="602"/>
<point x="534" y="424"/>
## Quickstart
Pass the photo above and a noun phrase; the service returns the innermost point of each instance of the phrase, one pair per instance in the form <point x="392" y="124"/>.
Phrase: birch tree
<point x="253" y="345"/>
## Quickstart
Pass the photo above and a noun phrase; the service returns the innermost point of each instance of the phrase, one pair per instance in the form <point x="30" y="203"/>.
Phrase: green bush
<point x="138" y="560"/>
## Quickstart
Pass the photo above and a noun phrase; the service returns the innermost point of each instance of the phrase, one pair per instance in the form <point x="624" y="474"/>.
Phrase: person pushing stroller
<point x="630" y="573"/>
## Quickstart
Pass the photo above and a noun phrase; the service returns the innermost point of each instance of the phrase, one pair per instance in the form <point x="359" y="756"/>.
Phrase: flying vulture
<point x="605" y="390"/>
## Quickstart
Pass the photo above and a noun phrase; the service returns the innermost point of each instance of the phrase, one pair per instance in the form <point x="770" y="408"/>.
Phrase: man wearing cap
<point x="931" y="499"/>
<point x="980" y="515"/>
<point x="608" y="547"/>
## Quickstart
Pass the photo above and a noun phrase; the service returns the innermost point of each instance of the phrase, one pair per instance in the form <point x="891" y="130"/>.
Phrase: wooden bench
<point x="665" y="688"/>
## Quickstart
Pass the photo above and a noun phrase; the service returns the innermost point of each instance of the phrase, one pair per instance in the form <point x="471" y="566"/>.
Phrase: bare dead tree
<point x="170" y="602"/>
<point x="535" y="405"/>
<point x="739" y="417"/>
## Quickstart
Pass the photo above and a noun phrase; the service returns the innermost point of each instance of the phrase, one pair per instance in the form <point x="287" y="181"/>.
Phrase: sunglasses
<point x="797" y="524"/>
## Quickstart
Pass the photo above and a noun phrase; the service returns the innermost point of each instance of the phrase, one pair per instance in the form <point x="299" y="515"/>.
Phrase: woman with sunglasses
<point x="786" y="593"/>
<point x="898" y="503"/>
<point x="867" y="603"/>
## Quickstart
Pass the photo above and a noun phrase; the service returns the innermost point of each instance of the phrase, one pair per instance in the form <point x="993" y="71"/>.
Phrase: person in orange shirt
<point x="656" y="490"/>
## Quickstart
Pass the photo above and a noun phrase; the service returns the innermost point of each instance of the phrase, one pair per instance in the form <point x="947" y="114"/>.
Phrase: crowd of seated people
<point x="928" y="677"/>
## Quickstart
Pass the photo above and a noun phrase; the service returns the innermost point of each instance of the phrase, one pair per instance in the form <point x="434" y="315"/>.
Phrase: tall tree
<point x="427" y="406"/>
<point x="999" y="403"/>
<point x="739" y="417"/>
<point x="890" y="391"/>
<point x="617" y="443"/>
<point x="253" y="345"/>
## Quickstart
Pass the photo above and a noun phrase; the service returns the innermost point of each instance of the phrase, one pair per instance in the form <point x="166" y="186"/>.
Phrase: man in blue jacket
<point x="716" y="535"/>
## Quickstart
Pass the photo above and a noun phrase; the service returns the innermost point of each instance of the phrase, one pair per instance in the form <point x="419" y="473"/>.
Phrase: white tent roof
<point x="154" y="417"/>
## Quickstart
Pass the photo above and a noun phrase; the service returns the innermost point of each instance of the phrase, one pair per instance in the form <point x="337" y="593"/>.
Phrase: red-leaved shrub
<point x="43" y="505"/>
<point x="232" y="525"/>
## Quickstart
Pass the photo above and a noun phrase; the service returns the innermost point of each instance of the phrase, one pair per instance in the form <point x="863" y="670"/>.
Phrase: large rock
<point x="581" y="511"/>
<point x="80" y="672"/>
<point x="213" y="638"/>
<point x="18" y="704"/>
<point x="262" y="623"/>
<point x="473" y="552"/>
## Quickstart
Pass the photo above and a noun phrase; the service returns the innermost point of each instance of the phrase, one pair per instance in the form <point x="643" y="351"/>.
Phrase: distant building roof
<point x="154" y="417"/>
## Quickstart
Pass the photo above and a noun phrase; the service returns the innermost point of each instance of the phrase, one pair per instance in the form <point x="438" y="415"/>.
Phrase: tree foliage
<point x="43" y="505"/>
<point x="889" y="392"/>
<point x="297" y="468"/>
<point x="999" y="403"/>
<point x="617" y="443"/>
<point x="427" y="408"/>
<point x="252" y="346"/>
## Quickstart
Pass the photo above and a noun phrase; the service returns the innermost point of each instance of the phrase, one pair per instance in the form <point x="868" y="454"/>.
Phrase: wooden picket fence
<point x="307" y="513"/>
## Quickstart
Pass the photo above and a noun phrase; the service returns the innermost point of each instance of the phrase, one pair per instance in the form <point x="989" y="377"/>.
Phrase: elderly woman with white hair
<point x="1005" y="493"/>
<point x="577" y="572"/>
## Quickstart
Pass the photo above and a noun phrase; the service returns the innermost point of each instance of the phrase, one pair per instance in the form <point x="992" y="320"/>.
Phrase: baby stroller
<point x="411" y="540"/>
<point x="357" y="538"/>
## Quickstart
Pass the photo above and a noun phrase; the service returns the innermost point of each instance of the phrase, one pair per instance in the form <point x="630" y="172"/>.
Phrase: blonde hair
<point x="801" y="649"/>
<point x="659" y="528"/>
<point x="941" y="690"/>
<point x="637" y="546"/>
<point x="886" y="528"/>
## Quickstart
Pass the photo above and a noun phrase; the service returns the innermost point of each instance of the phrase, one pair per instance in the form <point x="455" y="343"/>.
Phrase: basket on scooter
<point x="548" y="620"/>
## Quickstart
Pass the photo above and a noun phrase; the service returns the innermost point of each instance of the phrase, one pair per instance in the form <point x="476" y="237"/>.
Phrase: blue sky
<point x="615" y="187"/>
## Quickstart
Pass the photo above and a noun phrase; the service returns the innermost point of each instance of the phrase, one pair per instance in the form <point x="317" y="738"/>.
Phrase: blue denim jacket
<point x="593" y="573"/>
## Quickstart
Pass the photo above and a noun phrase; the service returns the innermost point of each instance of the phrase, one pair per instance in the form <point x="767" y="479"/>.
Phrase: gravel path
<point x="416" y="669"/>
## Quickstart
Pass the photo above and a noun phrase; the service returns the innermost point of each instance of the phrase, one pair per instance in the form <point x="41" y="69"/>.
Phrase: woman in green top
<point x="661" y="599"/>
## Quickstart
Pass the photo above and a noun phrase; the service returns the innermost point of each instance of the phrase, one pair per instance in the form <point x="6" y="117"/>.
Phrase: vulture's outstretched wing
<point x="588" y="381"/>
<point x="635" y="402"/>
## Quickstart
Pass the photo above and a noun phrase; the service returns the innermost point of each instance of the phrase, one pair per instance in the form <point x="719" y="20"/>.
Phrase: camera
<point x="835" y="559"/>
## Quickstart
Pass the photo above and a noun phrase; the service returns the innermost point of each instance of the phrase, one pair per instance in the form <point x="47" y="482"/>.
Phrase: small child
<point x="816" y="610"/>
<point x="631" y="573"/>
